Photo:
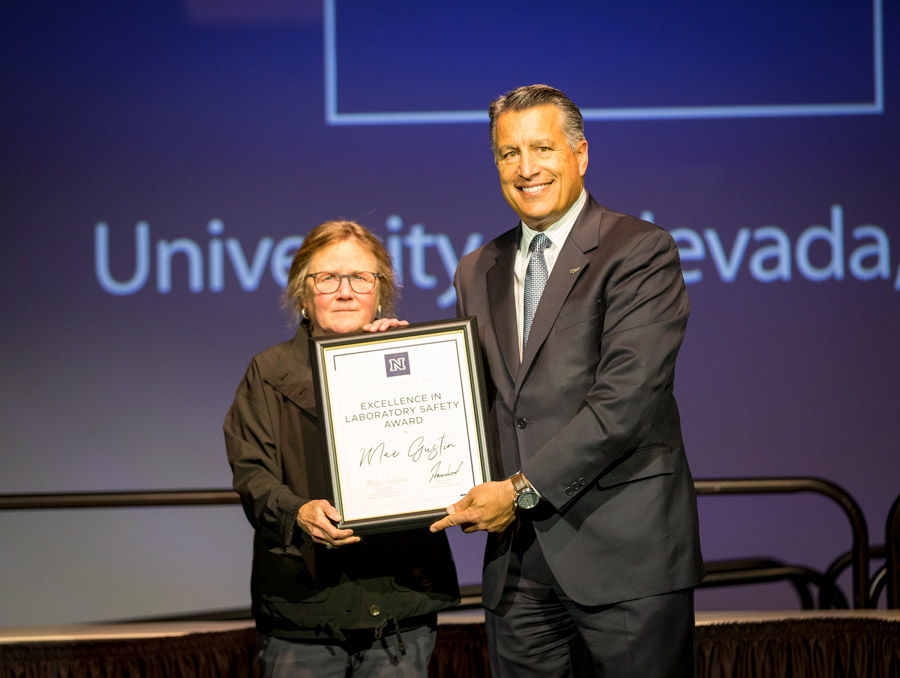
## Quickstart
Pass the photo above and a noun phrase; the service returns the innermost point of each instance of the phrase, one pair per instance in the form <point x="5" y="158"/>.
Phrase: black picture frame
<point x="404" y="445"/>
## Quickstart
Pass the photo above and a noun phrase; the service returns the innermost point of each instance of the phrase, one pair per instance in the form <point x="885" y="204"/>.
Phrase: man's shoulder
<point x="624" y="229"/>
<point x="602" y="215"/>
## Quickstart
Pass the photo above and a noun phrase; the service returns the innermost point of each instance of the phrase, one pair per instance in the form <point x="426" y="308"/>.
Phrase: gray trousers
<point x="373" y="658"/>
<point x="537" y="630"/>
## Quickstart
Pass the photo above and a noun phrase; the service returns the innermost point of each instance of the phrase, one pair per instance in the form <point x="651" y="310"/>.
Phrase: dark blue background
<point x="178" y="113"/>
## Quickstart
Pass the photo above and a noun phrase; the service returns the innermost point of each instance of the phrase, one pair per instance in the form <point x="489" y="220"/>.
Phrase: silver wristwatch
<point x="526" y="497"/>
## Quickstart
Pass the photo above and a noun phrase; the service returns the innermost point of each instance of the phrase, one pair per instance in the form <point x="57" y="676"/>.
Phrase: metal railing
<point x="118" y="499"/>
<point x="892" y="554"/>
<point x="860" y="548"/>
<point x="859" y="551"/>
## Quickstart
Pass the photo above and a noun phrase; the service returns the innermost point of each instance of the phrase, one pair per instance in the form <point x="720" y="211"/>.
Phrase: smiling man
<point x="593" y="548"/>
<point x="541" y="171"/>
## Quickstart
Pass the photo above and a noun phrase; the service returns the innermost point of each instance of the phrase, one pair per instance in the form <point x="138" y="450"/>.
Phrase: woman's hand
<point x="381" y="324"/>
<point x="317" y="519"/>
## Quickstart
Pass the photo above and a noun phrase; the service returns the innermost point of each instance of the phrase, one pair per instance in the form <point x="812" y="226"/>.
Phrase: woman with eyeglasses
<point x="327" y="603"/>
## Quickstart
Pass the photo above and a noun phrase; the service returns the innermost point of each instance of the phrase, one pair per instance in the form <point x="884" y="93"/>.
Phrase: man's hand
<point x="317" y="519"/>
<point x="488" y="506"/>
<point x="382" y="324"/>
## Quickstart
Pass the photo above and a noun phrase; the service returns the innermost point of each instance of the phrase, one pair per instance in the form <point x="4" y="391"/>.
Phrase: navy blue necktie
<point x="535" y="278"/>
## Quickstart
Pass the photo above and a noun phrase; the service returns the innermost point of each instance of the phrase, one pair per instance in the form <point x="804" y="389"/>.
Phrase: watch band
<point x="526" y="496"/>
<point x="519" y="482"/>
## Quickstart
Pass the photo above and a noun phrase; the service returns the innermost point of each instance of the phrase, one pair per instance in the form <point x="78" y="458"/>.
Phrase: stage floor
<point x="101" y="631"/>
<point x="863" y="643"/>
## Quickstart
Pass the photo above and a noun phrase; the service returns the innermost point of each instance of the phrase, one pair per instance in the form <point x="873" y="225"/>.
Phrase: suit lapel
<point x="502" y="297"/>
<point x="570" y="265"/>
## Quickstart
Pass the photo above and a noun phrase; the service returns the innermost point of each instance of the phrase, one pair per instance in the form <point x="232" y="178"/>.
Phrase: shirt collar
<point x="557" y="232"/>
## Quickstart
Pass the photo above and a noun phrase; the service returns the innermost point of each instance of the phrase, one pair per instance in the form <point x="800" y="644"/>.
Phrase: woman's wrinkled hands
<point x="317" y="518"/>
<point x="382" y="324"/>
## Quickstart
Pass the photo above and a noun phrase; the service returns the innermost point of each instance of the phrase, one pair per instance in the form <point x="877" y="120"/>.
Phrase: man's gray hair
<point x="532" y="96"/>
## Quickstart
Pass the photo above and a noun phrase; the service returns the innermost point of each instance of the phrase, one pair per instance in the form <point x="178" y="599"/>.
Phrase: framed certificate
<point x="401" y="414"/>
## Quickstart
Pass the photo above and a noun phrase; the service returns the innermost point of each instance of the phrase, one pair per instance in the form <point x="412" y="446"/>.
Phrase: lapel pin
<point x="573" y="271"/>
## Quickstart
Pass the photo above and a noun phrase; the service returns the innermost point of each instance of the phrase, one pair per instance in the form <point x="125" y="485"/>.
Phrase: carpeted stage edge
<point x="750" y="644"/>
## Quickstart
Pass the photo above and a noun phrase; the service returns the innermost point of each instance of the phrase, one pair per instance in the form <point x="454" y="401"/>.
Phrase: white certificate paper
<point x="402" y="418"/>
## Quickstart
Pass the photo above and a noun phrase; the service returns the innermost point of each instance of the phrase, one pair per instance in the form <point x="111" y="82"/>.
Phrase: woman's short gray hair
<point x="296" y="294"/>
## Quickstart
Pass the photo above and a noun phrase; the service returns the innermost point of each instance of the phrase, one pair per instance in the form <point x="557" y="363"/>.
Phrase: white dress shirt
<point x="557" y="233"/>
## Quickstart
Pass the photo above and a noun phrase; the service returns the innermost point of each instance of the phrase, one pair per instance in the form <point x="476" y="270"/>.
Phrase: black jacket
<point x="298" y="588"/>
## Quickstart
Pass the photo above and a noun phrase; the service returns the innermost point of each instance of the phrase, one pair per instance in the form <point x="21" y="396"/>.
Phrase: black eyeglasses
<point x="361" y="282"/>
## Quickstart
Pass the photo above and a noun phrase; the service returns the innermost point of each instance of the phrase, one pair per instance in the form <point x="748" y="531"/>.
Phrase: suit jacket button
<point x="521" y="423"/>
<point x="374" y="610"/>
<point x="581" y="482"/>
<point x="569" y="491"/>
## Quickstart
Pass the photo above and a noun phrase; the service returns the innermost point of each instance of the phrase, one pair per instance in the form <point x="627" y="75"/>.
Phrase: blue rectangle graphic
<point x="405" y="62"/>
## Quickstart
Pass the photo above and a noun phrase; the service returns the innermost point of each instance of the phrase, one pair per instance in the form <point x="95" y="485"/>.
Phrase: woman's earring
<point x="304" y="313"/>
<point x="379" y="310"/>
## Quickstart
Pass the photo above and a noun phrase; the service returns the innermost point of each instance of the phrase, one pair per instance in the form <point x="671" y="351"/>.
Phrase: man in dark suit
<point x="593" y="547"/>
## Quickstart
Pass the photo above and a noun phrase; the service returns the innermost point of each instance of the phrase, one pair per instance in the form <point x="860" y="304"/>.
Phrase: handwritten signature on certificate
<point x="418" y="451"/>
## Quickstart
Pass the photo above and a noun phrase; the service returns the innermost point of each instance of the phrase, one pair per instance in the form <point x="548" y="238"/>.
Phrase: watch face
<point x="527" y="500"/>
